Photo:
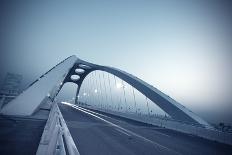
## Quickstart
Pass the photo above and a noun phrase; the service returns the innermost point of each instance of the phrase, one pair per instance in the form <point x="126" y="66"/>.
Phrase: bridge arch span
<point x="170" y="106"/>
<point x="49" y="84"/>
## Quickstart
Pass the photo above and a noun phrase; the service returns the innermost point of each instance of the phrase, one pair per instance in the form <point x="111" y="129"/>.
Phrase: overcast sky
<point x="181" y="47"/>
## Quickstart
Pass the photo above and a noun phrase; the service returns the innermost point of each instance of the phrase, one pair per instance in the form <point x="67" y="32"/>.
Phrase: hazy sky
<point x="181" y="47"/>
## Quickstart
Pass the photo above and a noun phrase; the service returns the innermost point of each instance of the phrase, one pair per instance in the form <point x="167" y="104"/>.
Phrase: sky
<point x="183" y="48"/>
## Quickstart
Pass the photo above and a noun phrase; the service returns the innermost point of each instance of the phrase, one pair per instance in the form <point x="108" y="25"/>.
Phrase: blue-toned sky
<point x="181" y="47"/>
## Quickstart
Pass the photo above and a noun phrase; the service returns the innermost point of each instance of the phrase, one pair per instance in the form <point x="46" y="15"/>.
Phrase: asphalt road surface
<point x="96" y="133"/>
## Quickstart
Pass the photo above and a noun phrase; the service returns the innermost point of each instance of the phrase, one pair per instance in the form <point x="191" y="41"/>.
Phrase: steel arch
<point x="170" y="106"/>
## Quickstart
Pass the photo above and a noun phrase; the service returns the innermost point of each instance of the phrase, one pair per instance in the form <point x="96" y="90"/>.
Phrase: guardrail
<point x="207" y="132"/>
<point x="56" y="138"/>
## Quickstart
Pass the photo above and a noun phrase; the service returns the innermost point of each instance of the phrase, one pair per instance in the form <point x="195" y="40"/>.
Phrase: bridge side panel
<point x="46" y="86"/>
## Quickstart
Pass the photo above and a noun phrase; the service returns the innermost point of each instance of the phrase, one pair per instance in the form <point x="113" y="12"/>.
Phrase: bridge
<point x="113" y="112"/>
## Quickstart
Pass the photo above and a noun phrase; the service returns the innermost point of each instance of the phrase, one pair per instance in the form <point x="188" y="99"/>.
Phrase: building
<point x="10" y="88"/>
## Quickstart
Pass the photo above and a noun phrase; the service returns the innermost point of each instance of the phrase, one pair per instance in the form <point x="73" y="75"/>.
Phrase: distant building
<point x="11" y="83"/>
<point x="10" y="88"/>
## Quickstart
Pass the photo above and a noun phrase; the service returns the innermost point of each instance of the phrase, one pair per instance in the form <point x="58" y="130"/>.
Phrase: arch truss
<point x="43" y="91"/>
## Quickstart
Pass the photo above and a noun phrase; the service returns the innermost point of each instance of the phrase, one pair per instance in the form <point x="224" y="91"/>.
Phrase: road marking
<point x="122" y="132"/>
<point x="93" y="112"/>
<point x="157" y="132"/>
<point x="123" y="129"/>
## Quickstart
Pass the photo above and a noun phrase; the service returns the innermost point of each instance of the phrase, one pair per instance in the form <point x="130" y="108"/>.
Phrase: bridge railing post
<point x="52" y="141"/>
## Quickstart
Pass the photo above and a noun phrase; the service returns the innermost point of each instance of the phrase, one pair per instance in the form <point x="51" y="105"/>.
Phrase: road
<point x="99" y="134"/>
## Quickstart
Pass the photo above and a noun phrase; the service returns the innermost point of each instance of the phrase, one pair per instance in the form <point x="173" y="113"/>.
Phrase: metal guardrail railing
<point x="56" y="138"/>
<point x="207" y="132"/>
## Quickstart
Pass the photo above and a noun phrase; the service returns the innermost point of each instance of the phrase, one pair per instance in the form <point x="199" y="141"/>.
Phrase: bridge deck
<point x="104" y="134"/>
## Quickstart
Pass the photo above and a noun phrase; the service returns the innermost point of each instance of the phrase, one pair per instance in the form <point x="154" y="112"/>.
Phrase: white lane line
<point x="123" y="129"/>
<point x="157" y="132"/>
<point x="122" y="132"/>
<point x="92" y="111"/>
<point x="119" y="127"/>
